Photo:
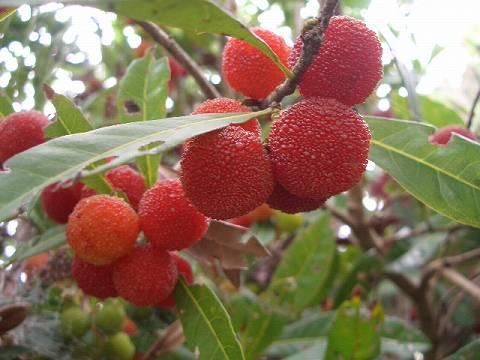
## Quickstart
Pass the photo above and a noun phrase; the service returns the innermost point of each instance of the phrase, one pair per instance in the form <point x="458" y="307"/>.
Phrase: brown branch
<point x="421" y="231"/>
<point x="344" y="218"/>
<point x="312" y="40"/>
<point x="462" y="282"/>
<point x="168" y="340"/>
<point x="471" y="114"/>
<point x="164" y="39"/>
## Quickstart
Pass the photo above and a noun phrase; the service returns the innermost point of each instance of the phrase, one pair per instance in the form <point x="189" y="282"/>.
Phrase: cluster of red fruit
<point x="317" y="148"/>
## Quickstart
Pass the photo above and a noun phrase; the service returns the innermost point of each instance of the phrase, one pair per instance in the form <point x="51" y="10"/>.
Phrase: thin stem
<point x="312" y="40"/>
<point x="462" y="282"/>
<point x="181" y="56"/>
<point x="471" y="114"/>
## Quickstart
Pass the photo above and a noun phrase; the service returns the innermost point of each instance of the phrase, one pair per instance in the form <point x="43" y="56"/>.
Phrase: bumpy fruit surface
<point x="168" y="220"/>
<point x="58" y="202"/>
<point x="282" y="200"/>
<point x="74" y="322"/>
<point x="146" y="276"/>
<point x="126" y="180"/>
<point x="226" y="105"/>
<point x="19" y="132"/>
<point x="93" y="280"/>
<point x="227" y="173"/>
<point x="444" y="135"/>
<point x="109" y="319"/>
<point x="319" y="148"/>
<point x="248" y="70"/>
<point x="185" y="270"/>
<point x="348" y="65"/>
<point x="102" y="229"/>
<point x="120" y="347"/>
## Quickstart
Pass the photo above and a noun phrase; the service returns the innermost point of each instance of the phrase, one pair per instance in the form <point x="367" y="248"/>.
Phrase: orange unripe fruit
<point x="146" y="276"/>
<point x="94" y="280"/>
<point x="288" y="203"/>
<point x="35" y="263"/>
<point x="126" y="180"/>
<point x="102" y="229"/>
<point x="19" y="132"/>
<point x="168" y="220"/>
<point x="250" y="72"/>
<point x="319" y="148"/>
<point x="58" y="202"/>
<point x="348" y="65"/>
<point x="185" y="270"/>
<point x="226" y="173"/>
<point x="130" y="327"/>
<point x="261" y="213"/>
<point x="444" y="135"/>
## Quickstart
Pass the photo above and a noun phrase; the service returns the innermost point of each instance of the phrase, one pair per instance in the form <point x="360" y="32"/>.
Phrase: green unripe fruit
<point x="120" y="347"/>
<point x="74" y="322"/>
<point x="287" y="222"/>
<point x="109" y="318"/>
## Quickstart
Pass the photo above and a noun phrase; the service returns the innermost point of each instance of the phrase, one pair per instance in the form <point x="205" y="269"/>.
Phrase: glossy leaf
<point x="401" y="339"/>
<point x="145" y="88"/>
<point x="206" y="324"/>
<point x="468" y="352"/>
<point x="444" y="178"/>
<point x="5" y="106"/>
<point x="353" y="335"/>
<point x="305" y="271"/>
<point x="6" y="12"/>
<point x="63" y="158"/>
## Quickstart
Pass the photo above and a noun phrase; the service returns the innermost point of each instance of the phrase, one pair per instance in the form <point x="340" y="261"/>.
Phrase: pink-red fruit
<point x="347" y="67"/>
<point x="102" y="229"/>
<point x="282" y="200"/>
<point x="226" y="173"/>
<point x="167" y="218"/>
<point x="19" y="132"/>
<point x="319" y="148"/>
<point x="146" y="276"/>
<point x="94" y="280"/>
<point x="248" y="71"/>
<point x="184" y="270"/>
<point x="444" y="135"/>
<point x="58" y="201"/>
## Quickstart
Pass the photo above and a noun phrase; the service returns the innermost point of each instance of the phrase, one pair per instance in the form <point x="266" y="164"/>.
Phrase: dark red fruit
<point x="94" y="280"/>
<point x="146" y="276"/>
<point x="319" y="148"/>
<point x="227" y="173"/>
<point x="19" y="132"/>
<point x="185" y="270"/>
<point x="282" y="200"/>
<point x="347" y="67"/>
<point x="250" y="72"/>
<point x="444" y="135"/>
<point x="58" y="202"/>
<point x="167" y="218"/>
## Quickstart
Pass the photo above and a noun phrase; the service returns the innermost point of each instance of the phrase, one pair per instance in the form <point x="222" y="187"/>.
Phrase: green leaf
<point x="304" y="274"/>
<point x="6" y="12"/>
<point x="197" y="16"/>
<point x="468" y="352"/>
<point x="353" y="335"/>
<point x="50" y="239"/>
<point x="433" y="112"/>
<point x="303" y="334"/>
<point x="444" y="178"/>
<point x="316" y="351"/>
<point x="206" y="324"/>
<point x="145" y="86"/>
<point x="63" y="158"/>
<point x="6" y="107"/>
<point x="70" y="120"/>
<point x="365" y="264"/>
<point x="401" y="339"/>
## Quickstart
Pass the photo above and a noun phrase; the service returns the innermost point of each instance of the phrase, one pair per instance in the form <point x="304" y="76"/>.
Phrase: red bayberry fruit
<point x="347" y="67"/>
<point x="126" y="180"/>
<point x="58" y="202"/>
<point x="226" y="173"/>
<point x="167" y="218"/>
<point x="282" y="200"/>
<point x="146" y="276"/>
<point x="94" y="280"/>
<point x="19" y="132"/>
<point x="226" y="105"/>
<point x="319" y="148"/>
<point x="444" y="135"/>
<point x="102" y="229"/>
<point x="248" y="70"/>
<point x="185" y="270"/>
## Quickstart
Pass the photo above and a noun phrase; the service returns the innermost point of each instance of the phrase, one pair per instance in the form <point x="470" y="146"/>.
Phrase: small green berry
<point x="287" y="222"/>
<point x="74" y="322"/>
<point x="109" y="318"/>
<point x="120" y="347"/>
